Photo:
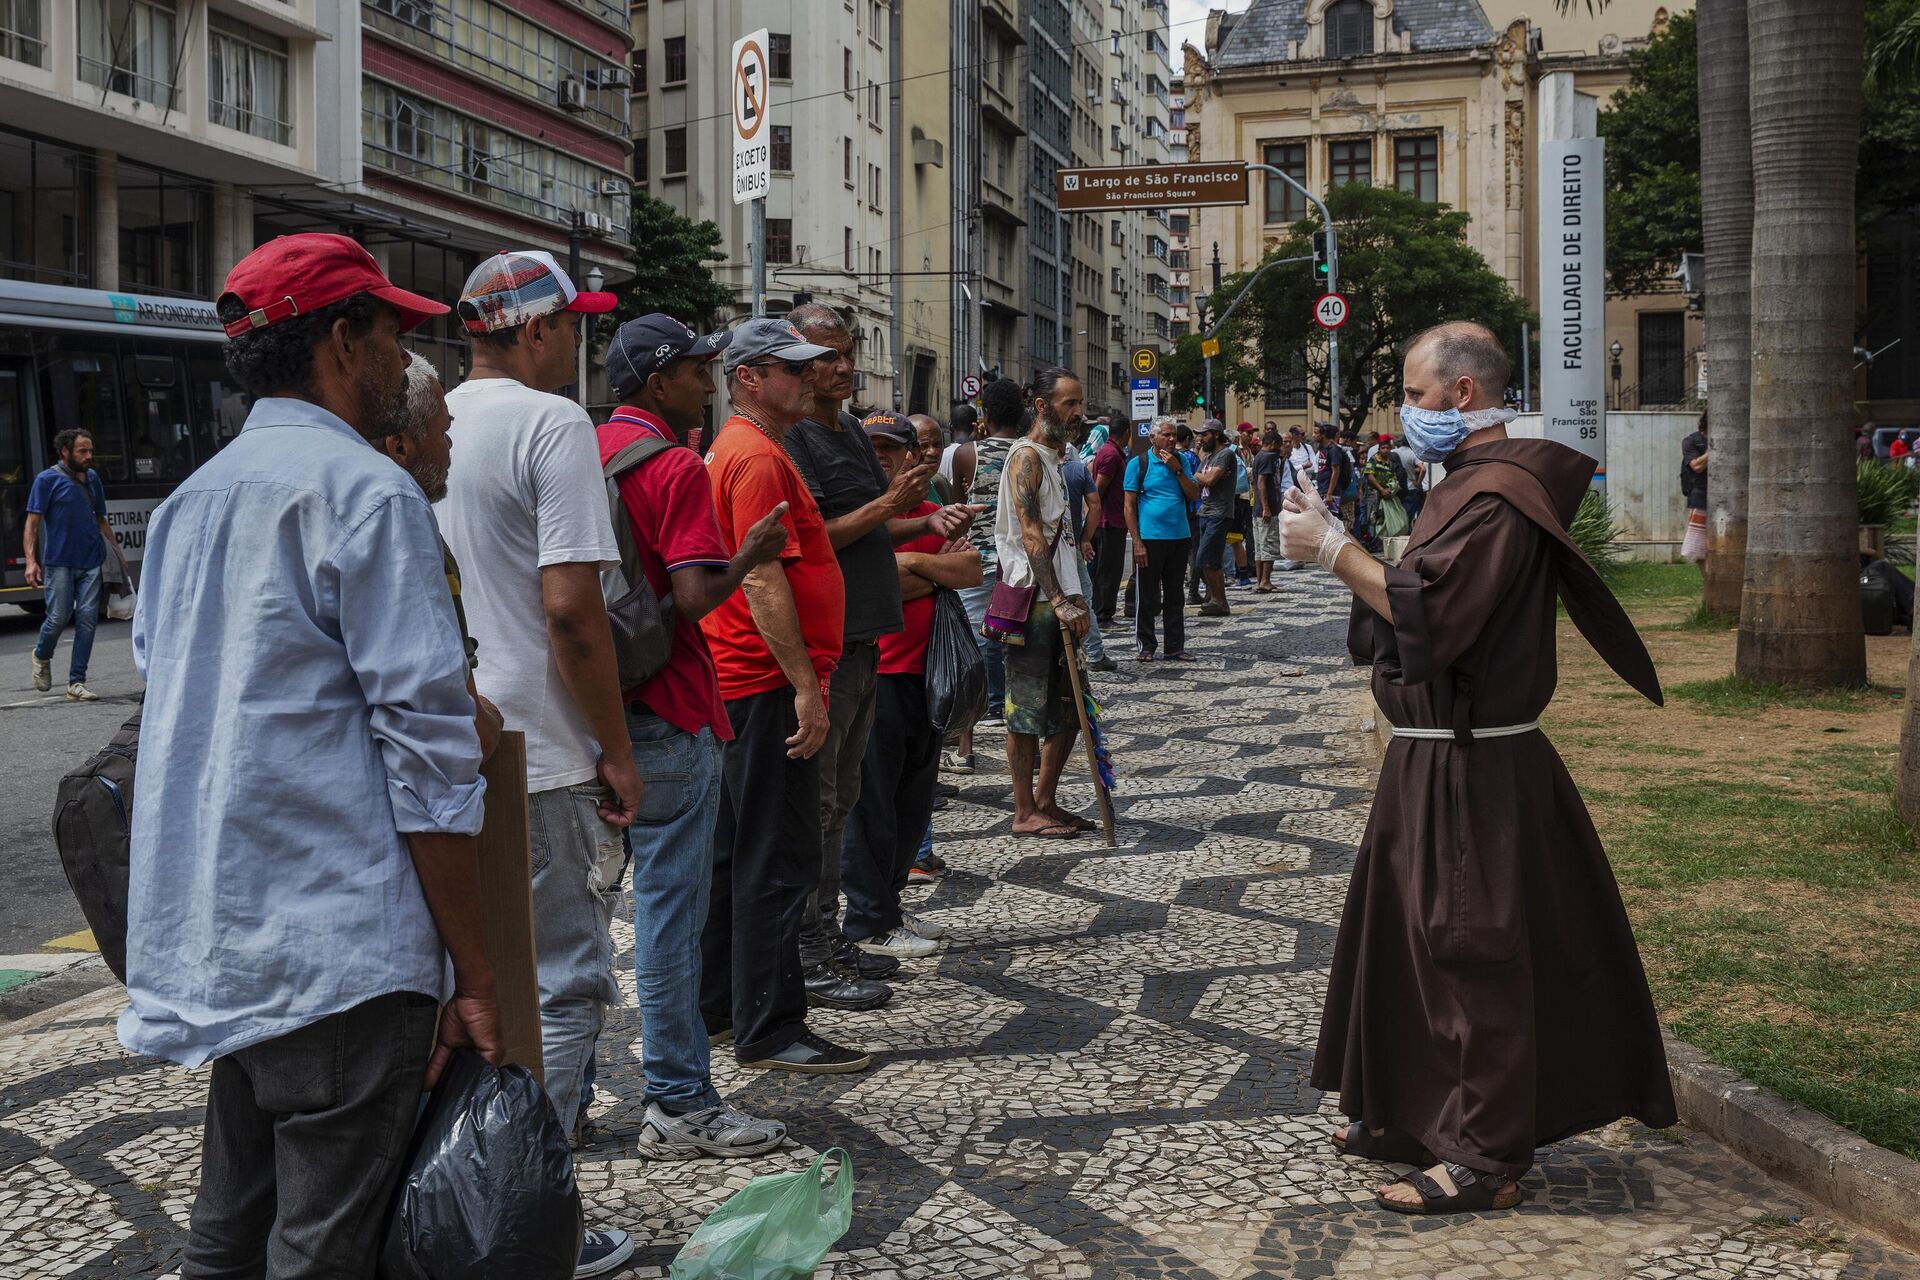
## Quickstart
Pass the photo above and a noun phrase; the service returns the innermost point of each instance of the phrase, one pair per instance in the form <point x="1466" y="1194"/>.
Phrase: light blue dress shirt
<point x="306" y="706"/>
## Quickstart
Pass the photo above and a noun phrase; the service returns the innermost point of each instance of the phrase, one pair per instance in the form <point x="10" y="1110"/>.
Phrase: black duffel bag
<point x="956" y="671"/>
<point x="93" y="828"/>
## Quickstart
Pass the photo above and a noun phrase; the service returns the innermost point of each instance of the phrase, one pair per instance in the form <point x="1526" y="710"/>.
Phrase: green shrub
<point x="1594" y="532"/>
<point x="1886" y="492"/>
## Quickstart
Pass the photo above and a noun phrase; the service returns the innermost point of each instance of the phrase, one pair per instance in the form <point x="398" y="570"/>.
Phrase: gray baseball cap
<point x="769" y="338"/>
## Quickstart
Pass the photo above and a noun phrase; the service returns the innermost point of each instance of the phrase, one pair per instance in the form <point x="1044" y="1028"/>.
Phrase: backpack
<point x="642" y="622"/>
<point x="92" y="828"/>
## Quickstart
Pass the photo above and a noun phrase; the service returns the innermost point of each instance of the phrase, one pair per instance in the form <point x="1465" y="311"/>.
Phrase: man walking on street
<point x="69" y="503"/>
<point x="774" y="646"/>
<point x="526" y="518"/>
<point x="1158" y="488"/>
<point x="662" y="373"/>
<point x="1215" y="476"/>
<point x="1032" y="534"/>
<point x="1269" y="472"/>
<point x="303" y="863"/>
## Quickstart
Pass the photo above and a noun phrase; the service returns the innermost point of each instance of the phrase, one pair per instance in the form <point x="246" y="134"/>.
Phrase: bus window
<point x="219" y="406"/>
<point x="160" y="447"/>
<point x="14" y="464"/>
<point x="81" y="388"/>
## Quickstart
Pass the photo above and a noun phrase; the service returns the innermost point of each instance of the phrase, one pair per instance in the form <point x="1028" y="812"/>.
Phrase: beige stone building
<point x="1436" y="97"/>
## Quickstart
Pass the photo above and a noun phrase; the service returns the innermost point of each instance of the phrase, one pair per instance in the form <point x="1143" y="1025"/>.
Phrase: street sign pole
<point x="759" y="257"/>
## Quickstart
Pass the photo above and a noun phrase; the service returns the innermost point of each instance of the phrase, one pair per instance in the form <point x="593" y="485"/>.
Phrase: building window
<point x="847" y="248"/>
<point x="780" y="55"/>
<point x="676" y="152"/>
<point x="127" y="46"/>
<point x="247" y="79"/>
<point x="846" y="72"/>
<point x="846" y="161"/>
<point x="641" y="155"/>
<point x="22" y="38"/>
<point x="1285" y="383"/>
<point x="779" y="239"/>
<point x="1349" y="29"/>
<point x="781" y="148"/>
<point x="47" y="191"/>
<point x="1416" y="166"/>
<point x="1349" y="162"/>
<point x="639" y="65"/>
<point x="676" y="60"/>
<point x="1284" y="204"/>
<point x="873" y="182"/>
<point x="165" y="225"/>
<point x="873" y="103"/>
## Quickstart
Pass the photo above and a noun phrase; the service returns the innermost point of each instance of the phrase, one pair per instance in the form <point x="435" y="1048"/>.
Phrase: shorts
<point x="1039" y="694"/>
<point x="1211" y="542"/>
<point x="1266" y="539"/>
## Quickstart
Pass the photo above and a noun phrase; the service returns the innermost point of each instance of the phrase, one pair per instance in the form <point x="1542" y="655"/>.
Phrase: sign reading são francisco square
<point x="1150" y="186"/>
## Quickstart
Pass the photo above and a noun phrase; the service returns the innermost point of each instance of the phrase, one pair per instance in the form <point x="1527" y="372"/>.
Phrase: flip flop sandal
<point x="1057" y="831"/>
<point x="1182" y="656"/>
<point x="1477" y="1192"/>
<point x="1082" y="824"/>
<point x="1389" y="1147"/>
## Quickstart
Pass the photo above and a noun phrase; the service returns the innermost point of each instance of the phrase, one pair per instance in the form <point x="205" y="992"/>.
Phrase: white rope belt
<point x="1446" y="735"/>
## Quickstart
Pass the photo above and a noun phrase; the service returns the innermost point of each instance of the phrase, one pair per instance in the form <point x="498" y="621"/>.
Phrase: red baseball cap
<point x="297" y="275"/>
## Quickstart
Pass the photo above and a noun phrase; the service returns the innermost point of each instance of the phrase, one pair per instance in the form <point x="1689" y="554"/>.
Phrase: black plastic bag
<point x="488" y="1192"/>
<point x="956" y="671"/>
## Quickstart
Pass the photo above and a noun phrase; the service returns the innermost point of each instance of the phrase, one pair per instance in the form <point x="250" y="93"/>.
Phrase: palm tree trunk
<point x="1726" y="215"/>
<point x="1800" y="610"/>
<point x="1907" y="793"/>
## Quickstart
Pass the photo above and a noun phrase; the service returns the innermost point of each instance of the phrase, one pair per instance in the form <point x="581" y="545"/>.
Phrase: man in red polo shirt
<point x="774" y="648"/>
<point x="662" y="373"/>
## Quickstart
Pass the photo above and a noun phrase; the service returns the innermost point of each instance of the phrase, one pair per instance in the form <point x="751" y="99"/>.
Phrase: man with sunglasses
<point x="775" y="645"/>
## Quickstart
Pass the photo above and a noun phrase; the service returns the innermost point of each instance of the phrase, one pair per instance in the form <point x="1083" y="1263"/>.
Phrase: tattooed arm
<point x="1023" y="481"/>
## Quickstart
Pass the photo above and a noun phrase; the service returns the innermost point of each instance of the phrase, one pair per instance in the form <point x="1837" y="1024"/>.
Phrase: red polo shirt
<point x="670" y="506"/>
<point x="904" y="653"/>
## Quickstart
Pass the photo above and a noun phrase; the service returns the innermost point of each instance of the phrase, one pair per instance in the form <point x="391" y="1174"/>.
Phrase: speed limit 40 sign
<point x="1330" y="311"/>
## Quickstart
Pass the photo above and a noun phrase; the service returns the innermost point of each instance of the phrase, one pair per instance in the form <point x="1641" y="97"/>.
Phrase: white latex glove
<point x="1308" y="531"/>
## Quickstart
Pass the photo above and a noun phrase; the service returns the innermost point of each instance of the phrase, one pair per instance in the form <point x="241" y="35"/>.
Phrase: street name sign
<point x="1330" y="310"/>
<point x="752" y="143"/>
<point x="1151" y="186"/>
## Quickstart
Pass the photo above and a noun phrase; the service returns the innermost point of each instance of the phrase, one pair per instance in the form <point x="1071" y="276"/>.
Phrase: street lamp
<point x="1614" y="351"/>
<point x="595" y="278"/>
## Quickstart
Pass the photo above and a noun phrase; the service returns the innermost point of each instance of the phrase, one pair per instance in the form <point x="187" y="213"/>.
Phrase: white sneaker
<point x="77" y="692"/>
<point x="899" y="943"/>
<point x="43" y="674"/>
<point x="950" y="762"/>
<point x="601" y="1252"/>
<point x="920" y="927"/>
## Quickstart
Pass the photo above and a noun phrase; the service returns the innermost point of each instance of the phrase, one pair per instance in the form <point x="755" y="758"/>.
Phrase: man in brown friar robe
<point x="1486" y="996"/>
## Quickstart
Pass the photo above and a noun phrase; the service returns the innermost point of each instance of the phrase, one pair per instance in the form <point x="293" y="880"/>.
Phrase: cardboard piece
<point x="506" y="902"/>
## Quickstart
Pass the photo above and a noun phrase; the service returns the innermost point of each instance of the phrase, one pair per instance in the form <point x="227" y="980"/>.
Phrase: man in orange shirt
<point x="774" y="646"/>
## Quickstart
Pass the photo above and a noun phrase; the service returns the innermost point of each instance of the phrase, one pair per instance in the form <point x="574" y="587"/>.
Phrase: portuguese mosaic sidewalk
<point x="1103" y="1075"/>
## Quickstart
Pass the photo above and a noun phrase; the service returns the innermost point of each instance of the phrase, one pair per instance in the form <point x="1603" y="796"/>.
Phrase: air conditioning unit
<point x="615" y="186"/>
<point x="588" y="220"/>
<point x="573" y="95"/>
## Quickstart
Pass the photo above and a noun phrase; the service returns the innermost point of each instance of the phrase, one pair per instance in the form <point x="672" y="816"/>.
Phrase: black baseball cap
<point x="644" y="347"/>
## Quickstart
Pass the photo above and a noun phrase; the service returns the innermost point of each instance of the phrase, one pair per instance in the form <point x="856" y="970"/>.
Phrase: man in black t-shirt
<point x="1219" y="465"/>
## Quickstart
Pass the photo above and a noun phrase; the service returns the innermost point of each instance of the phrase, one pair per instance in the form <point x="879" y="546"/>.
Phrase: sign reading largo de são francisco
<point x="1149" y="186"/>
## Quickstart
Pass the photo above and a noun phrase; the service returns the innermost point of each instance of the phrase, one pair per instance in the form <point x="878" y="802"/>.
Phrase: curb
<point x="1867" y="1184"/>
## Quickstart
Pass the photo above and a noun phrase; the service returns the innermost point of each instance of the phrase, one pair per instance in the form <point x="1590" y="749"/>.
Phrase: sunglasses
<point x="794" y="368"/>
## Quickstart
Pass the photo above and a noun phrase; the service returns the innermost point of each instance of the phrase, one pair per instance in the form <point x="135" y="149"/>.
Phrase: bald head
<point x="817" y="320"/>
<point x="1459" y="364"/>
<point x="931" y="438"/>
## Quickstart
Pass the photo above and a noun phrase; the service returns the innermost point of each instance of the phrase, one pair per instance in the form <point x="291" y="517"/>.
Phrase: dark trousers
<point x="1160" y="585"/>
<point x="886" y="824"/>
<point x="1109" y="566"/>
<point x="1196" y="586"/>
<point x="305" y="1134"/>
<point x="766" y="857"/>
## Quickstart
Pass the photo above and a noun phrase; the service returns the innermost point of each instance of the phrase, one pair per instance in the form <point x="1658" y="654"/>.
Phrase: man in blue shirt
<point x="68" y="502"/>
<point x="1159" y="486"/>
<point x="303" y="864"/>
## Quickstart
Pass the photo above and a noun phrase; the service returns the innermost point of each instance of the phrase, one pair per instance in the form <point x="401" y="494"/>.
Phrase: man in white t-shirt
<point x="526" y="517"/>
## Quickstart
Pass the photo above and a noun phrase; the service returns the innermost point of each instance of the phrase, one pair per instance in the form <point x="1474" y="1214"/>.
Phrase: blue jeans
<point x="71" y="594"/>
<point x="1096" y="648"/>
<point x="672" y="843"/>
<point x="975" y="598"/>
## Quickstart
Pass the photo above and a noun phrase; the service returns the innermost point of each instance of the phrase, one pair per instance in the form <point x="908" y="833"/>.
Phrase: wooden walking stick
<point x="1080" y="682"/>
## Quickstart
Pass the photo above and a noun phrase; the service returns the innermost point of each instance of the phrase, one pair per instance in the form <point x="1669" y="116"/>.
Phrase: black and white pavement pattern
<point x="1103" y="1073"/>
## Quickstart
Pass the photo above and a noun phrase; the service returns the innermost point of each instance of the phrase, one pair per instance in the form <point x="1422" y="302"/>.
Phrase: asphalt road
<point x="42" y="738"/>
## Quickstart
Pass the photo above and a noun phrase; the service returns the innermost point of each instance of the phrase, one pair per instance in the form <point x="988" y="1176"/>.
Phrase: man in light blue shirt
<point x="303" y="863"/>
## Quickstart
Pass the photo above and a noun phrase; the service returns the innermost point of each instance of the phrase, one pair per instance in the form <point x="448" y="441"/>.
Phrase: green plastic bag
<point x="1393" y="519"/>
<point x="777" y="1227"/>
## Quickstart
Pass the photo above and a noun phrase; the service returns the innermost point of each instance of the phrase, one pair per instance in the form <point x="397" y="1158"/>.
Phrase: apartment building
<point x="1139" y="105"/>
<point x="935" y="133"/>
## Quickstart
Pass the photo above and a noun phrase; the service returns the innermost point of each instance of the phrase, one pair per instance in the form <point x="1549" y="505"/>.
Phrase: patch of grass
<point x="1636" y="582"/>
<point x="1736" y="695"/>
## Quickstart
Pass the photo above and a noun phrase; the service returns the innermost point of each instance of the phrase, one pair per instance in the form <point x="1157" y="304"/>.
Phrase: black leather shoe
<point x="829" y="988"/>
<point x="856" y="965"/>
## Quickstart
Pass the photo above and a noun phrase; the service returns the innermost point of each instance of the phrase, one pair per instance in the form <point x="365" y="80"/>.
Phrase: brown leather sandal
<point x="1474" y="1193"/>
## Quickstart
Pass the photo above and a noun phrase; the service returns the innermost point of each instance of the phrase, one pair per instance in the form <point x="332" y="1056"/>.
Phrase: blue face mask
<point x="1433" y="434"/>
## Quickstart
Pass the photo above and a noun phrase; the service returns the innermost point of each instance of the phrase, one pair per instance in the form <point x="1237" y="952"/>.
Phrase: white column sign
<point x="752" y="141"/>
<point x="1573" y="293"/>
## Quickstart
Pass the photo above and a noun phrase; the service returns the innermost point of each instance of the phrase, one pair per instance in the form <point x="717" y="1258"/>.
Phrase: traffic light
<point x="1322" y="266"/>
<point x="1199" y="399"/>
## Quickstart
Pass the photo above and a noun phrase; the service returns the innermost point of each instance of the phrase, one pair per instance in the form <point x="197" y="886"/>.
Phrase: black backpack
<point x="92" y="828"/>
<point x="642" y="622"/>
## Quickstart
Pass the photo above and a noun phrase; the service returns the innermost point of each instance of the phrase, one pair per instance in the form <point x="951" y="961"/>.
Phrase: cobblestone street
<point x="1103" y="1074"/>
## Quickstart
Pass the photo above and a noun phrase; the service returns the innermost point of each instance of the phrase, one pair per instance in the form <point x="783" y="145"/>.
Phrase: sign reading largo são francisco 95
<point x="1573" y="293"/>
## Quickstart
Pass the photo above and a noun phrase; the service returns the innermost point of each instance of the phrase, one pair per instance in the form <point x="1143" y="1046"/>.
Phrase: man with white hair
<point x="1485" y="996"/>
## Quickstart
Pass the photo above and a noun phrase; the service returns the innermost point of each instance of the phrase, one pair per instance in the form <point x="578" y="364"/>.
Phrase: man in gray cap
<point x="775" y="645"/>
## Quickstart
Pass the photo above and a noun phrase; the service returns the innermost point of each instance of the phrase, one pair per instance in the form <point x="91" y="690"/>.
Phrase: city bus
<point x="143" y="375"/>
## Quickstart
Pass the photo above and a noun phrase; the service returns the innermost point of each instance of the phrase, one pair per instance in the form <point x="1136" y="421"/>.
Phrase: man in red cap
<point x="526" y="517"/>
<point x="303" y="861"/>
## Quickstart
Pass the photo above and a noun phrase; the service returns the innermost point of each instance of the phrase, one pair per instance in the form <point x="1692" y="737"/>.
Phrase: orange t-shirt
<point x="751" y="475"/>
